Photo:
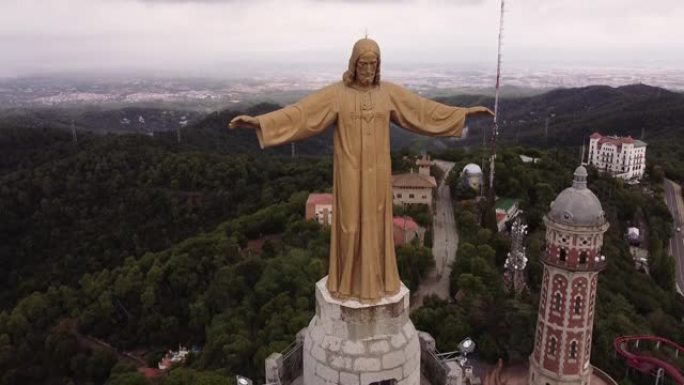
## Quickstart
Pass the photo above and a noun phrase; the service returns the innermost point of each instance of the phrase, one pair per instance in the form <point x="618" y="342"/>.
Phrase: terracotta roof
<point x="320" y="198"/>
<point x="413" y="180"/>
<point x="500" y="217"/>
<point x="617" y="141"/>
<point x="149" y="372"/>
<point x="410" y="223"/>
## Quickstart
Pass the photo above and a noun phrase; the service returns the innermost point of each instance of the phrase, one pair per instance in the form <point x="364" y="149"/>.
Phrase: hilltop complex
<point x="352" y="343"/>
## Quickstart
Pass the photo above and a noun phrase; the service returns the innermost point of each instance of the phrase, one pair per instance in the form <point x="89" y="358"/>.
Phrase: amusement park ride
<point x="649" y="355"/>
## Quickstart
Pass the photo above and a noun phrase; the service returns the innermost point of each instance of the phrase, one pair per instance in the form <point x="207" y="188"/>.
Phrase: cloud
<point x="194" y="1"/>
<point x="199" y="35"/>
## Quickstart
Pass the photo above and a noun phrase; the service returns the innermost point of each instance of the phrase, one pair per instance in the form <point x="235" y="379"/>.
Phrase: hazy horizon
<point x="229" y="37"/>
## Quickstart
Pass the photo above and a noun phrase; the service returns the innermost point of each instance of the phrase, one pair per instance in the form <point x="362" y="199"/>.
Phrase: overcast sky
<point x="197" y="36"/>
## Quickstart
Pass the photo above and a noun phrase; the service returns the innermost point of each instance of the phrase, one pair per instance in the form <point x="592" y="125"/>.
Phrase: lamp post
<point x="405" y="205"/>
<point x="466" y="347"/>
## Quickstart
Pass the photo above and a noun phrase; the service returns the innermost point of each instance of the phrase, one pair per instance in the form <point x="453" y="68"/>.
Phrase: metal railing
<point x="291" y="364"/>
<point x="432" y="367"/>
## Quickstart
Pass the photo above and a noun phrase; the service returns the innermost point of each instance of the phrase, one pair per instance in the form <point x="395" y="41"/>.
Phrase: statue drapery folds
<point x="362" y="259"/>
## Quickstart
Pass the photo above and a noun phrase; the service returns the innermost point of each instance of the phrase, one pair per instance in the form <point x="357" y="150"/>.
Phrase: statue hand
<point x="477" y="112"/>
<point x="244" y="121"/>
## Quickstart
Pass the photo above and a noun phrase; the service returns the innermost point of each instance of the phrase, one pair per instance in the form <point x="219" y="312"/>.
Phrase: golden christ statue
<point x="363" y="265"/>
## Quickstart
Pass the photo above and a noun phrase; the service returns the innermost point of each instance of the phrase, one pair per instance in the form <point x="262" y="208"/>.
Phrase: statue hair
<point x="360" y="47"/>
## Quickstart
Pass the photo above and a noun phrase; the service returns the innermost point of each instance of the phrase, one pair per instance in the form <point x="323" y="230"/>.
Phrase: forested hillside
<point x="145" y="243"/>
<point x="87" y="207"/>
<point x="558" y="118"/>
<point x="564" y="117"/>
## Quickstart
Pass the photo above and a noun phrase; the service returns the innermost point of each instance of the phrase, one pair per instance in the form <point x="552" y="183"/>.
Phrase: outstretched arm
<point x="307" y="117"/>
<point x="244" y="121"/>
<point x="427" y="117"/>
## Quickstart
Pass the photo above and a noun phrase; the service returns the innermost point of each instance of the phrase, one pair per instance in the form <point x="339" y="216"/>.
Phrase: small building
<point x="633" y="236"/>
<point x="173" y="357"/>
<point x="424" y="163"/>
<point x="406" y="230"/>
<point x="150" y="373"/>
<point x="640" y="257"/>
<point x="528" y="159"/>
<point x="319" y="206"/>
<point x="413" y="188"/>
<point x="472" y="176"/>
<point x="619" y="156"/>
<point x="506" y="209"/>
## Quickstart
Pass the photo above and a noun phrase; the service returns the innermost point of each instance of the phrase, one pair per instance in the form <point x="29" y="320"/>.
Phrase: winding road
<point x="673" y="198"/>
<point x="444" y="243"/>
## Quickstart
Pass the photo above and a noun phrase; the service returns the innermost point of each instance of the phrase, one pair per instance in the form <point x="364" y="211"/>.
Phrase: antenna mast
<point x="495" y="128"/>
<point x="516" y="260"/>
<point x="74" y="136"/>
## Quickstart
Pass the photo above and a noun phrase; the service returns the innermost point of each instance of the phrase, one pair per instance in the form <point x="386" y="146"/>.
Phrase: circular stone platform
<point x="351" y="343"/>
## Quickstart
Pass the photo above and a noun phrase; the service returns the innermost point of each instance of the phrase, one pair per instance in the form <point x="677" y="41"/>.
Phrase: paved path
<point x="673" y="198"/>
<point x="444" y="243"/>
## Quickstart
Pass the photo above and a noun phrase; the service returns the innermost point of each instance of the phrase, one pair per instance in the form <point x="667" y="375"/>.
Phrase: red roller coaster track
<point x="646" y="363"/>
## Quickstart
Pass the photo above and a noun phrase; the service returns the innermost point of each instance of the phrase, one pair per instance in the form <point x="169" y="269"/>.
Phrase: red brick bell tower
<point x="574" y="235"/>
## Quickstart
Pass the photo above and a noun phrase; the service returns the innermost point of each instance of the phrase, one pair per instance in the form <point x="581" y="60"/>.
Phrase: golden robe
<point x="363" y="264"/>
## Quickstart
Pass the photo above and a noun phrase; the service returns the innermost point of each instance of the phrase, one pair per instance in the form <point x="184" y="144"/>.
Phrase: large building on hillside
<point x="413" y="188"/>
<point x="622" y="157"/>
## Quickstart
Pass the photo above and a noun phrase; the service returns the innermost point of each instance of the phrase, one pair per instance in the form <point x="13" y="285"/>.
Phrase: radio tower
<point x="516" y="259"/>
<point x="74" y="136"/>
<point x="495" y="128"/>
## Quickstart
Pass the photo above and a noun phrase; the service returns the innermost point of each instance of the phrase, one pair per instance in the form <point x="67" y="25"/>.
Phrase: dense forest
<point x="146" y="243"/>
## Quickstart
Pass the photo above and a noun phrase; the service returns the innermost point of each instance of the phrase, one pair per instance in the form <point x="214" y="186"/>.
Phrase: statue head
<point x="364" y="64"/>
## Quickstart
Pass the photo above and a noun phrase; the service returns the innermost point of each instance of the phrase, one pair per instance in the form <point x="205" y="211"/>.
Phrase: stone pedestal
<point x="350" y="343"/>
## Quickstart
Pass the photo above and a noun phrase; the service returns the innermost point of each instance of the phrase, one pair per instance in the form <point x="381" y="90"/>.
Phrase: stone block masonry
<point x="351" y="343"/>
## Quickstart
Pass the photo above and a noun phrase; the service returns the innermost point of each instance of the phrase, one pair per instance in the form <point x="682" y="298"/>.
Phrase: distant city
<point x="209" y="93"/>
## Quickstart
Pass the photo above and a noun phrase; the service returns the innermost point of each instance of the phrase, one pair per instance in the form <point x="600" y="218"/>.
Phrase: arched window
<point x="583" y="258"/>
<point x="563" y="255"/>
<point x="573" y="349"/>
<point x="552" y="346"/>
<point x="557" y="302"/>
<point x="578" y="304"/>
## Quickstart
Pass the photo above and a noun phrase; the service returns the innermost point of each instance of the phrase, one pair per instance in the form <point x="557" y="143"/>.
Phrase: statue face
<point x="366" y="67"/>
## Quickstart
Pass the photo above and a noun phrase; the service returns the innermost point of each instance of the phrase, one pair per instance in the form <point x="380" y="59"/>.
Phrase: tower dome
<point x="472" y="169"/>
<point x="577" y="205"/>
